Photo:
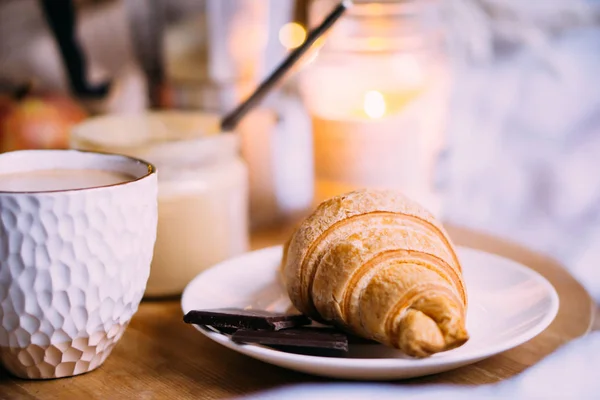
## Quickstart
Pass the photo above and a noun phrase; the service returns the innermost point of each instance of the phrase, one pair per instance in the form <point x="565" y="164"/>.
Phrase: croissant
<point x="376" y="264"/>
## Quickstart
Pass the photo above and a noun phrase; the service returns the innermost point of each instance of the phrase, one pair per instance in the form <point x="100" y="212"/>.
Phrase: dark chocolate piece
<point x="245" y="319"/>
<point x="297" y="337"/>
<point x="311" y="351"/>
<point x="353" y="339"/>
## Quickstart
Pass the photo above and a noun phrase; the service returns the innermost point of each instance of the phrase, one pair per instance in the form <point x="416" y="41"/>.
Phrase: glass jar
<point x="377" y="92"/>
<point x="202" y="188"/>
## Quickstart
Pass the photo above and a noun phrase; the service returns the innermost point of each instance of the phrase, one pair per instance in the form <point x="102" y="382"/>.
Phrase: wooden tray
<point x="161" y="357"/>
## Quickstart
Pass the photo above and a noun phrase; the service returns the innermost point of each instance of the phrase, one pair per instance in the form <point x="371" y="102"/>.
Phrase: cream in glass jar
<point x="202" y="188"/>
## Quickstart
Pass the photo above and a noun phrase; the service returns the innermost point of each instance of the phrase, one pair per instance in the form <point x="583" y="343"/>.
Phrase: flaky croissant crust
<point x="377" y="264"/>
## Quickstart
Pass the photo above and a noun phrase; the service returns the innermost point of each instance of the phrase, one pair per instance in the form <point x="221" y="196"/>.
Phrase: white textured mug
<point x="73" y="262"/>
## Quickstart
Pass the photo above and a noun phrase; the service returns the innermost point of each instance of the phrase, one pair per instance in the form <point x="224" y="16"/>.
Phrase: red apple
<point x="6" y="103"/>
<point x="37" y="122"/>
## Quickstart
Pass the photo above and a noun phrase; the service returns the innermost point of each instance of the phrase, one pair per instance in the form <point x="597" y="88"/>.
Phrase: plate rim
<point x="271" y="355"/>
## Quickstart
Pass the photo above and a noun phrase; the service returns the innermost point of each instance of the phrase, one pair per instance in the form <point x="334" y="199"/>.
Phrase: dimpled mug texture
<point x="73" y="270"/>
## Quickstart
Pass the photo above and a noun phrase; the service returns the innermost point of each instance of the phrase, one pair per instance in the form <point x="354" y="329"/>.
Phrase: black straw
<point x="233" y="118"/>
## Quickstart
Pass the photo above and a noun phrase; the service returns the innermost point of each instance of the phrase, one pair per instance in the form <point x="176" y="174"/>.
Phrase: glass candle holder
<point x="202" y="188"/>
<point x="377" y="91"/>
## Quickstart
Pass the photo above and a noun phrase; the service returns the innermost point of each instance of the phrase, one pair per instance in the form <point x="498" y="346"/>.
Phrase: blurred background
<point x="486" y="111"/>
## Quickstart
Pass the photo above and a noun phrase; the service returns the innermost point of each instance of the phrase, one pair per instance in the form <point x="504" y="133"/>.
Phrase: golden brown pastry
<point x="377" y="264"/>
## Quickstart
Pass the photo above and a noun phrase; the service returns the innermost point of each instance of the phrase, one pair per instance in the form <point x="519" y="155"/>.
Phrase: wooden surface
<point x="161" y="357"/>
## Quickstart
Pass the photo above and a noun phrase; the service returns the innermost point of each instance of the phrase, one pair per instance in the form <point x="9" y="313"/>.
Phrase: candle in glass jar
<point x="377" y="96"/>
<point x="384" y="144"/>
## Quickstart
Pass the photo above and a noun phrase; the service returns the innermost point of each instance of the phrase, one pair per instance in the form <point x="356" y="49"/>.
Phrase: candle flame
<point x="292" y="35"/>
<point x="374" y="104"/>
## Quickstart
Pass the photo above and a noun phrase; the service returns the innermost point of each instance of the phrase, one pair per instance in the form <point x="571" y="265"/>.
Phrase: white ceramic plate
<point x="508" y="305"/>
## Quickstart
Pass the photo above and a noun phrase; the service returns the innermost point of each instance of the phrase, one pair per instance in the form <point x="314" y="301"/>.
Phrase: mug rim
<point x="151" y="170"/>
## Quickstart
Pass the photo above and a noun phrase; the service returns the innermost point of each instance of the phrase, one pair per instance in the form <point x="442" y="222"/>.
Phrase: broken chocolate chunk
<point x="296" y="337"/>
<point x="245" y="319"/>
<point x="354" y="339"/>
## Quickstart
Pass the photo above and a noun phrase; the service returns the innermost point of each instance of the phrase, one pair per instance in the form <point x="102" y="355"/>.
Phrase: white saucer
<point x="508" y="305"/>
